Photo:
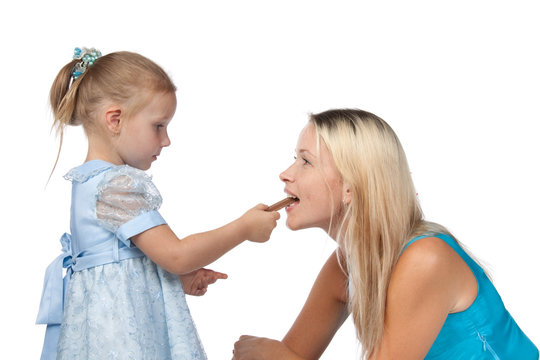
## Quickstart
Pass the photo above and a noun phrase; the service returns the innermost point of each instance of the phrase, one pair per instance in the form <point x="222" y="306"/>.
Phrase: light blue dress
<point x="114" y="302"/>
<point x="485" y="330"/>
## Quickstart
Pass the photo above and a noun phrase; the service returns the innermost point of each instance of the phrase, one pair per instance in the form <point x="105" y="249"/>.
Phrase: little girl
<point x="122" y="297"/>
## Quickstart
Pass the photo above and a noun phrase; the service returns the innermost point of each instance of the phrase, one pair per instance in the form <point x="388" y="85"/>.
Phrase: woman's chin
<point x="291" y="225"/>
<point x="294" y="225"/>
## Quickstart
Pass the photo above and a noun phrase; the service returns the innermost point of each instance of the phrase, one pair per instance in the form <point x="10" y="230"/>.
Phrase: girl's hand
<point x="258" y="224"/>
<point x="256" y="348"/>
<point x="196" y="282"/>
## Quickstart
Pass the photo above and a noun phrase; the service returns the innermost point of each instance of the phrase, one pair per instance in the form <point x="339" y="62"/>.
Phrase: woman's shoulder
<point x="424" y="271"/>
<point x="432" y="264"/>
<point x="433" y="246"/>
<point x="429" y="254"/>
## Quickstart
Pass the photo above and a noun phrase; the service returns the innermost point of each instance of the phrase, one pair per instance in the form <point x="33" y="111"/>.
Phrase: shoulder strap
<point x="475" y="268"/>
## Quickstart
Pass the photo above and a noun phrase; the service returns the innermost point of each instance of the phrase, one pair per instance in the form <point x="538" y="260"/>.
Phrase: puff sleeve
<point x="127" y="203"/>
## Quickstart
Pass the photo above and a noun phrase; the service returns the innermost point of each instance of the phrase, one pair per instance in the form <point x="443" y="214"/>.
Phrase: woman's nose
<point x="286" y="176"/>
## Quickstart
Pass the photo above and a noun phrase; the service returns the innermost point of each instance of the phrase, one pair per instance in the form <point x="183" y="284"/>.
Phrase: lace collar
<point x="87" y="170"/>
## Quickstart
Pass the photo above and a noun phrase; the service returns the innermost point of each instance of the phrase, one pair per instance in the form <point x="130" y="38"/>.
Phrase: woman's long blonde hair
<point x="383" y="213"/>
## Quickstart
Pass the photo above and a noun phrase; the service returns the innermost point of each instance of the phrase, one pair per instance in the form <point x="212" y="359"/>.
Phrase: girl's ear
<point x="347" y="194"/>
<point x="113" y="119"/>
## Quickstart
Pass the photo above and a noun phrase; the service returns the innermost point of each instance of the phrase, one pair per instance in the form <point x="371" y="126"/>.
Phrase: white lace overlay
<point x="123" y="194"/>
<point x="131" y="310"/>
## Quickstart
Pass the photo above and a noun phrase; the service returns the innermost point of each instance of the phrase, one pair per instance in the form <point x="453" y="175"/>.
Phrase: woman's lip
<point x="293" y="205"/>
<point x="290" y="193"/>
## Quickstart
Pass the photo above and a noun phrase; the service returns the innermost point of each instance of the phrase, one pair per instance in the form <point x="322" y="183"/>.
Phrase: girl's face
<point x="144" y="135"/>
<point x="314" y="179"/>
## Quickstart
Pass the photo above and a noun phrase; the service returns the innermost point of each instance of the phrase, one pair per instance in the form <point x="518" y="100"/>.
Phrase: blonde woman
<point x="412" y="290"/>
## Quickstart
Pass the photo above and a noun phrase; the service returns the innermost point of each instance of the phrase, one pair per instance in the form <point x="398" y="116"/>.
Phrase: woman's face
<point x="315" y="181"/>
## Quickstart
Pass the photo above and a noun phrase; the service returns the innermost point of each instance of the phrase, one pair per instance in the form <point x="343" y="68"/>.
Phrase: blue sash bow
<point x="51" y="306"/>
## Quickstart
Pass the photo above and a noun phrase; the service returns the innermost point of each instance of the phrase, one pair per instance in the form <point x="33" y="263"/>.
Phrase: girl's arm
<point x="324" y="312"/>
<point x="429" y="281"/>
<point x="182" y="256"/>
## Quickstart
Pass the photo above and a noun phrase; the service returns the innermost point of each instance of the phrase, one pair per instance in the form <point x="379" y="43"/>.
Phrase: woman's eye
<point x="304" y="161"/>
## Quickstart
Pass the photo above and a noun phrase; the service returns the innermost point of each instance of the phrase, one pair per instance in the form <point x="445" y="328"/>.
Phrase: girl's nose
<point x="166" y="140"/>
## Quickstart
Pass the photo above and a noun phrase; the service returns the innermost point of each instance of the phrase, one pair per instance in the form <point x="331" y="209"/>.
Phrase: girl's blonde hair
<point x="382" y="216"/>
<point x="125" y="78"/>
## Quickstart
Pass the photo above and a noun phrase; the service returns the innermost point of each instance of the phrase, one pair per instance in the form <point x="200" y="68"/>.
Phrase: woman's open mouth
<point x="293" y="203"/>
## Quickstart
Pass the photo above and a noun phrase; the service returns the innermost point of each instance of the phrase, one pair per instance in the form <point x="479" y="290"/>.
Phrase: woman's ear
<point x="347" y="194"/>
<point x="114" y="119"/>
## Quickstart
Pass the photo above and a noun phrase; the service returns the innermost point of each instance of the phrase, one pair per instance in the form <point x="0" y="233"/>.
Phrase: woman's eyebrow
<point x="301" y="151"/>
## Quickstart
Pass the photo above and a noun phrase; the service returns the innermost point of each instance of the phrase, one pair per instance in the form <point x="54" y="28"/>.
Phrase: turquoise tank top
<point x="485" y="330"/>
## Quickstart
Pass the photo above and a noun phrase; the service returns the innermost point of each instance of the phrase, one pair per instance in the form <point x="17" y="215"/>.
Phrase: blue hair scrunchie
<point x="87" y="57"/>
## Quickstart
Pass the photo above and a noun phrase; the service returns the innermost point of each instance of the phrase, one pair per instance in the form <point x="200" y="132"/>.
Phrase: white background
<point x="457" y="80"/>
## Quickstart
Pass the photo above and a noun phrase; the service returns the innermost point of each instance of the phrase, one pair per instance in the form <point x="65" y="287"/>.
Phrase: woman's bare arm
<point x="324" y="312"/>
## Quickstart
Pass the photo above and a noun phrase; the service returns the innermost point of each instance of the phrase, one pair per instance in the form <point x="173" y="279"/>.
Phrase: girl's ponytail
<point x="63" y="95"/>
<point x="62" y="104"/>
<point x="63" y="99"/>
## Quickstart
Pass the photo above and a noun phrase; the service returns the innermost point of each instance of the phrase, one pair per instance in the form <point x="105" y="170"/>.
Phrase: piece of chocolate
<point x="281" y="204"/>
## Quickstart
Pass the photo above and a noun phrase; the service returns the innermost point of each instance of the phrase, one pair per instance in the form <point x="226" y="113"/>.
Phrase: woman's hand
<point x="257" y="348"/>
<point x="196" y="282"/>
